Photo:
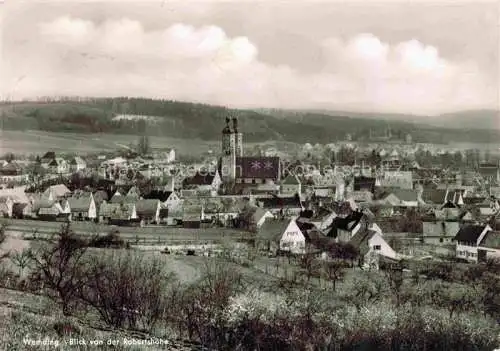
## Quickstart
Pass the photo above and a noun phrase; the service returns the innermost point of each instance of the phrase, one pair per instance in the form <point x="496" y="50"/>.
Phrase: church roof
<point x="258" y="167"/>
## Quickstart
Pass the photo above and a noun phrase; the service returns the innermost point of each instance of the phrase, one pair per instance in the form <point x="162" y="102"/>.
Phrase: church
<point x="242" y="174"/>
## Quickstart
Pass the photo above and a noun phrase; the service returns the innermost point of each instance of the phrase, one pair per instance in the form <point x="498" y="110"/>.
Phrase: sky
<point x="393" y="56"/>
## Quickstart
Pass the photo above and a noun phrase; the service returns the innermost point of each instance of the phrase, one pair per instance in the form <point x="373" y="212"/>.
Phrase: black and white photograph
<point x="250" y="175"/>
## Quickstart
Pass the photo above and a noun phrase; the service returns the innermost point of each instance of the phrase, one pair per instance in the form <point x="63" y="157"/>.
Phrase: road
<point x="160" y="234"/>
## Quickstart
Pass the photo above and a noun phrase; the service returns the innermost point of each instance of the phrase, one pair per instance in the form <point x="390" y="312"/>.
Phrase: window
<point x="440" y="240"/>
<point x="376" y="247"/>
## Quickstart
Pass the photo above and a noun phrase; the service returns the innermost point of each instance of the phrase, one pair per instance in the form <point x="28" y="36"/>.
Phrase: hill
<point x="184" y="120"/>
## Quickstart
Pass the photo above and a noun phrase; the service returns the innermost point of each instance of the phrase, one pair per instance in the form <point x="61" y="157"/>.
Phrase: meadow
<point x="34" y="142"/>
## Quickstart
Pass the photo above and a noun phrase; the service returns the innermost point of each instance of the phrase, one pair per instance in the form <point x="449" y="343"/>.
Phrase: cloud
<point x="121" y="57"/>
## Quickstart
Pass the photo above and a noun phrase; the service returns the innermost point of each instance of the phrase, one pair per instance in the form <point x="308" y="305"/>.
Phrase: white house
<point x="468" y="239"/>
<point x="291" y="185"/>
<point x="82" y="207"/>
<point x="284" y="235"/>
<point x="371" y="243"/>
<point x="77" y="164"/>
<point x="489" y="246"/>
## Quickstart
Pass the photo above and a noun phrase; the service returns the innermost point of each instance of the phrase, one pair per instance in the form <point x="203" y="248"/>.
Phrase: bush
<point x="127" y="290"/>
<point x="110" y="240"/>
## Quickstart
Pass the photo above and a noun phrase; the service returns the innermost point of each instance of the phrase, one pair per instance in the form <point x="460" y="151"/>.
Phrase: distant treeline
<point x="193" y="120"/>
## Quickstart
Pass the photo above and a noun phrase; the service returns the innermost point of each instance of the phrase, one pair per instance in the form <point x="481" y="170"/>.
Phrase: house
<point x="400" y="198"/>
<point x="77" y="164"/>
<point x="169" y="199"/>
<point x="371" y="243"/>
<point x="10" y="169"/>
<point x="283" y="206"/>
<point x="439" y="232"/>
<point x="119" y="198"/>
<point x="118" y="213"/>
<point x="344" y="228"/>
<point x="323" y="218"/>
<point x="191" y="215"/>
<point x="291" y="185"/>
<point x="49" y="210"/>
<point x="277" y="235"/>
<point x="489" y="246"/>
<point x="170" y="156"/>
<point x="55" y="192"/>
<point x="252" y="218"/>
<point x="82" y="207"/>
<point x="47" y="158"/>
<point x="365" y="184"/>
<point x="467" y="241"/>
<point x="397" y="179"/>
<point x="203" y="182"/>
<point x="148" y="211"/>
<point x="59" y="166"/>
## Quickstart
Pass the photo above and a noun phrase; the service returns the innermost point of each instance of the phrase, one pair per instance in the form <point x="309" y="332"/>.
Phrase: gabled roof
<point x="200" y="179"/>
<point x="281" y="202"/>
<point x="58" y="190"/>
<point x="348" y="223"/>
<point x="404" y="194"/>
<point x="434" y="196"/>
<point x="272" y="229"/>
<point x="360" y="240"/>
<point x="291" y="179"/>
<point x="364" y="183"/>
<point x="79" y="203"/>
<point x="473" y="200"/>
<point x="147" y="207"/>
<point x="49" y="155"/>
<point x="42" y="203"/>
<point x="116" y="211"/>
<point x="158" y="195"/>
<point x="469" y="233"/>
<point x="258" y="167"/>
<point x="491" y="240"/>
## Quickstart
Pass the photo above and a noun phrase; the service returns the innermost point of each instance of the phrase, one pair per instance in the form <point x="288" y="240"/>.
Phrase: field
<point x="36" y="142"/>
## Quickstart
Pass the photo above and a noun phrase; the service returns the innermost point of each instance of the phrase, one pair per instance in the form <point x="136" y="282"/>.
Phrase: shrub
<point x="127" y="290"/>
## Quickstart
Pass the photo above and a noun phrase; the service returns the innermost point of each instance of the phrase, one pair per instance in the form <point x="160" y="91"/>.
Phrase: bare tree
<point x="61" y="267"/>
<point x="334" y="271"/>
<point x="127" y="290"/>
<point x="22" y="260"/>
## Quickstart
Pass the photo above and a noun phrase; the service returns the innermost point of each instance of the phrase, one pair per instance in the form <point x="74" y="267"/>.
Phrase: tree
<point x="334" y="271"/>
<point x="22" y="260"/>
<point x="127" y="290"/>
<point x="61" y="267"/>
<point x="395" y="279"/>
<point x="9" y="157"/>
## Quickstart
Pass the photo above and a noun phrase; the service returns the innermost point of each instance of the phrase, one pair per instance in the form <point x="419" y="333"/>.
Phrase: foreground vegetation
<point x="123" y="292"/>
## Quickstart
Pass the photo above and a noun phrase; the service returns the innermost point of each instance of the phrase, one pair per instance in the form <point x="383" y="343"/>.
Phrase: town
<point x="389" y="196"/>
<point x="250" y="176"/>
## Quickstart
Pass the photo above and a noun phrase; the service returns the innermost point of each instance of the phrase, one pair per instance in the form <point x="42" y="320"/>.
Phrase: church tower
<point x="228" y="153"/>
